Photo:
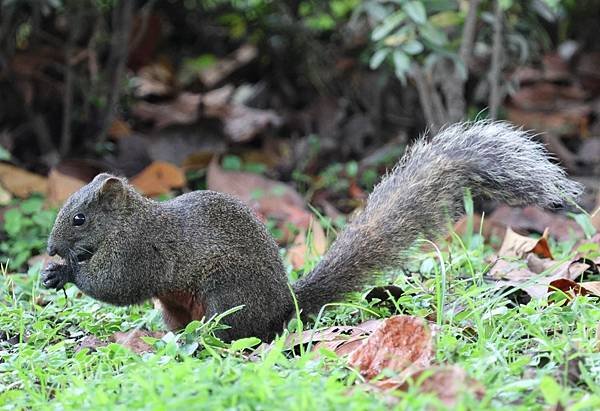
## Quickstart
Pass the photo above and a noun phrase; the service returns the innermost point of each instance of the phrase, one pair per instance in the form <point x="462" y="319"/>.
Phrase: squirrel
<point x="205" y="252"/>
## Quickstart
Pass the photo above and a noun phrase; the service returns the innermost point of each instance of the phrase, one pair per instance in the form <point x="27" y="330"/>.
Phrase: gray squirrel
<point x="204" y="252"/>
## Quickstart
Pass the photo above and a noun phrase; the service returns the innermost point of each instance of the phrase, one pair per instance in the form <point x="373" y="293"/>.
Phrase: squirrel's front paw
<point x="55" y="276"/>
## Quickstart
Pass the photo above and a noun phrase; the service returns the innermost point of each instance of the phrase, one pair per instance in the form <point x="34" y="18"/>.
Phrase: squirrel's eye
<point x="78" y="219"/>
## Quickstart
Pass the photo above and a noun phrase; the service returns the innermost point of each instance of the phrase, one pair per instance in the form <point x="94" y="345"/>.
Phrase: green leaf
<point x="378" y="58"/>
<point x="413" y="47"/>
<point x="550" y="389"/>
<point x="4" y="154"/>
<point x="231" y="162"/>
<point x="585" y="222"/>
<point x="244" y="343"/>
<point x="446" y="19"/>
<point x="13" y="221"/>
<point x="416" y="11"/>
<point x="433" y="35"/>
<point x="32" y="205"/>
<point x="401" y="63"/>
<point x="389" y="24"/>
<point x="352" y="169"/>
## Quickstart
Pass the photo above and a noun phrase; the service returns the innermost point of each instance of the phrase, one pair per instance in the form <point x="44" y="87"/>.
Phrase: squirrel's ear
<point x="112" y="190"/>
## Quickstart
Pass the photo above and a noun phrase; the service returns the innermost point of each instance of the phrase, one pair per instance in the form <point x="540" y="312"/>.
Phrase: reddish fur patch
<point x="180" y="308"/>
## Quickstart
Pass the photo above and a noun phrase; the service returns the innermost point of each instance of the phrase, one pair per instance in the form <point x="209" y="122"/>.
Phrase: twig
<point x="424" y="96"/>
<point x="122" y="15"/>
<point x="438" y="107"/>
<point x="495" y="70"/>
<point x="66" y="135"/>
<point x="468" y="36"/>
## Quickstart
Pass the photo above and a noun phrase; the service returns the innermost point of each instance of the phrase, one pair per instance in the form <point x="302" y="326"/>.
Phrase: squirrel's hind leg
<point x="179" y="308"/>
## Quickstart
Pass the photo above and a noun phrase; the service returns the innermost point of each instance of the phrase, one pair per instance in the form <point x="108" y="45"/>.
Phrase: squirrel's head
<point x="90" y="215"/>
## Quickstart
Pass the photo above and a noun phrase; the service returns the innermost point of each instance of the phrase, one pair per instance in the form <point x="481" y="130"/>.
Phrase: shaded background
<point x="285" y="103"/>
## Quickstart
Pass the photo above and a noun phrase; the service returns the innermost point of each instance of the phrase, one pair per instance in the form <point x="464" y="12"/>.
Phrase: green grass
<point x="529" y="357"/>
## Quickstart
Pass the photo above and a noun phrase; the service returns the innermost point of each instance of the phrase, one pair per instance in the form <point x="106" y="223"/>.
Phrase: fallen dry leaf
<point x="402" y="344"/>
<point x="268" y="197"/>
<point x="61" y="186"/>
<point x="214" y="74"/>
<point x="119" y="129"/>
<point x="182" y="110"/>
<point x="572" y="288"/>
<point x="240" y="123"/>
<point x="5" y="196"/>
<point x="489" y="228"/>
<point x="517" y="245"/>
<point x="243" y="123"/>
<point x="155" y="79"/>
<point x="535" y="219"/>
<point x="300" y="249"/>
<point x="133" y="340"/>
<point x="448" y="383"/>
<point x="333" y="337"/>
<point x="568" y="121"/>
<point x="90" y="342"/>
<point x="158" y="178"/>
<point x="21" y="183"/>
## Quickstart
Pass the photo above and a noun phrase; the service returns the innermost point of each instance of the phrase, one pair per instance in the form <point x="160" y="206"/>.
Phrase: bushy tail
<point x="425" y="189"/>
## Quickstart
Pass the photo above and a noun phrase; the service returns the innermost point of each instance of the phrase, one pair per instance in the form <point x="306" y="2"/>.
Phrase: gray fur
<point x="212" y="246"/>
<point x="424" y="191"/>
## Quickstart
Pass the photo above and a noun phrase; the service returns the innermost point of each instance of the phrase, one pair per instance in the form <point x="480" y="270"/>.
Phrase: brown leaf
<point x="448" y="383"/>
<point x="119" y="129"/>
<point x="300" y="249"/>
<point x="69" y="176"/>
<point x="403" y="344"/>
<point x="5" y="196"/>
<point x="21" y="183"/>
<point x="182" y="110"/>
<point x="61" y="186"/>
<point x="90" y="342"/>
<point x="567" y="121"/>
<point x="333" y="337"/>
<point x="213" y="75"/>
<point x="240" y="123"/>
<point x="572" y="288"/>
<point x="489" y="229"/>
<point x="516" y="245"/>
<point x="133" y="340"/>
<point x="268" y="197"/>
<point x="155" y="79"/>
<point x="546" y="96"/>
<point x="534" y="219"/>
<point x="243" y="123"/>
<point x="158" y="178"/>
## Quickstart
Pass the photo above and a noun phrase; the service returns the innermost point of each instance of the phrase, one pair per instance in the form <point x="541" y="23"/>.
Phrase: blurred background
<point x="282" y="103"/>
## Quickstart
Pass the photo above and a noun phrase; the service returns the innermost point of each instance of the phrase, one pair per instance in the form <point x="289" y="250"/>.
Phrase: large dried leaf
<point x="155" y="79"/>
<point x="214" y="74"/>
<point x="516" y="245"/>
<point x="21" y="183"/>
<point x="534" y="219"/>
<point x="158" y="178"/>
<point x="301" y="249"/>
<point x="183" y="110"/>
<point x="567" y="121"/>
<point x="402" y="344"/>
<point x="133" y="340"/>
<point x="268" y="197"/>
<point x="240" y="123"/>
<point x="61" y="186"/>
